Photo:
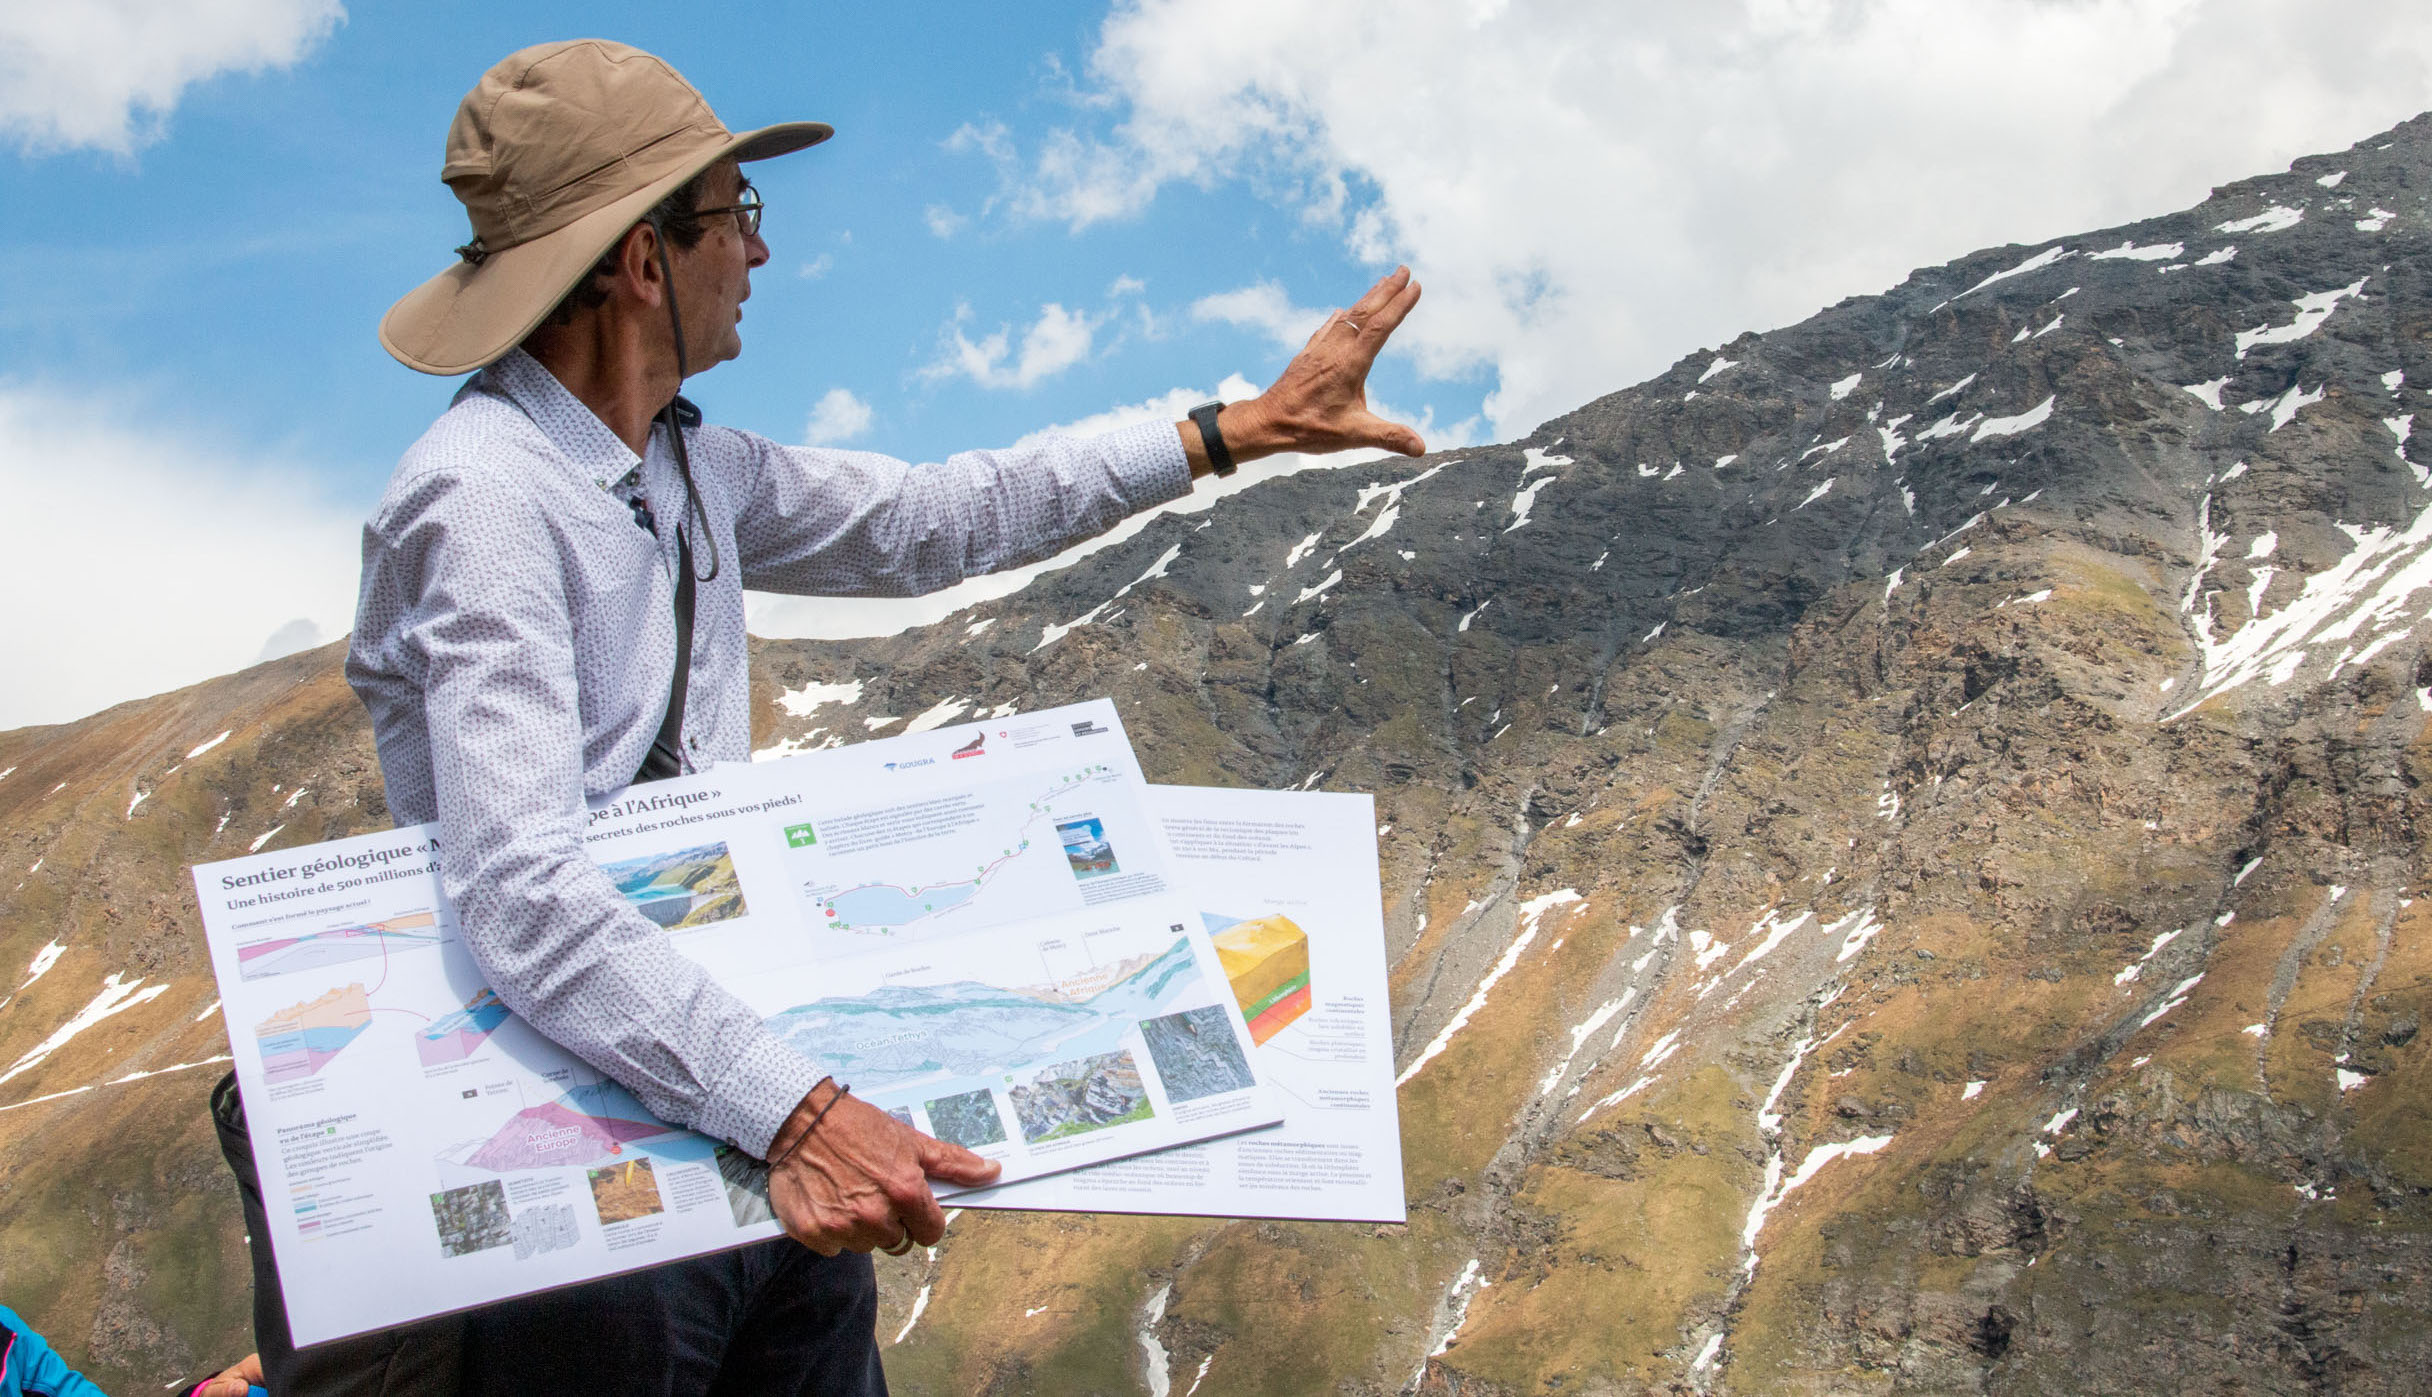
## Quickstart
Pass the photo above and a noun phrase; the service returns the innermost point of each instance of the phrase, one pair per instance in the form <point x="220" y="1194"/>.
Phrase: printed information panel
<point x="976" y="927"/>
<point x="1287" y="884"/>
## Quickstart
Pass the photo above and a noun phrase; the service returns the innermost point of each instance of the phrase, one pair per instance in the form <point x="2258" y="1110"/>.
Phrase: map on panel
<point x="902" y="1034"/>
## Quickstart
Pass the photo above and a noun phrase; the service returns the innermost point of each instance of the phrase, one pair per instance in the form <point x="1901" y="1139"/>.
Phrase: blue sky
<point x="1038" y="215"/>
<point x="229" y="276"/>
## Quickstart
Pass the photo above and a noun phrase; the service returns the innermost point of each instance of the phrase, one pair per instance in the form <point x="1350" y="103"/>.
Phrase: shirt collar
<point x="569" y="423"/>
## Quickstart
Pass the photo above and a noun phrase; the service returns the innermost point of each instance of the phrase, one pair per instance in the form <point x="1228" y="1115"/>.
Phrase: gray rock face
<point x="1982" y="723"/>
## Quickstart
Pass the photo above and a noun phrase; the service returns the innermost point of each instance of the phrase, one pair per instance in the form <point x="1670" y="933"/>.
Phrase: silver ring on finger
<point x="901" y="1246"/>
<point x="1355" y="325"/>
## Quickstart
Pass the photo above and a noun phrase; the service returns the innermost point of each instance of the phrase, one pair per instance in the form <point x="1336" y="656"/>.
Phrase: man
<point x="552" y="607"/>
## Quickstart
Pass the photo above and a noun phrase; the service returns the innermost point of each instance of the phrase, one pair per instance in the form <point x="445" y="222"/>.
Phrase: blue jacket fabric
<point x="30" y="1368"/>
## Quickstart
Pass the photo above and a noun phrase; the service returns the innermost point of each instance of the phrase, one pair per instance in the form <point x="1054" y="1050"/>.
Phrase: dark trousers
<point x="771" y="1318"/>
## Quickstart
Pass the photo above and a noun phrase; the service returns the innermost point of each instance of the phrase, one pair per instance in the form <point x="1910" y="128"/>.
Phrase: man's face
<point x="714" y="276"/>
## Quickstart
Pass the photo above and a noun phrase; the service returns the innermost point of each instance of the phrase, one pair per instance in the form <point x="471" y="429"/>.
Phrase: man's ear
<point x="638" y="277"/>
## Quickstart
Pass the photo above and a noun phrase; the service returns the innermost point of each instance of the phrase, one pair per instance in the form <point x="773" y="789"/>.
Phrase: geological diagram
<point x="1267" y="961"/>
<point x="284" y="955"/>
<point x="455" y="1036"/>
<point x="589" y="1125"/>
<point x="889" y="907"/>
<point x="299" y="1040"/>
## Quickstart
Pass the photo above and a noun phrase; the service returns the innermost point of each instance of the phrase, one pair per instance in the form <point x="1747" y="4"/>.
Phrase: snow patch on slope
<point x="2036" y="263"/>
<point x="1530" y="912"/>
<point x="44" y="959"/>
<point x="116" y="997"/>
<point x="2129" y="251"/>
<point x="1526" y="499"/>
<point x="2276" y="219"/>
<point x="1778" y="1188"/>
<point x="2311" y="312"/>
<point x="810" y="698"/>
<point x="935" y="716"/>
<point x="2026" y="421"/>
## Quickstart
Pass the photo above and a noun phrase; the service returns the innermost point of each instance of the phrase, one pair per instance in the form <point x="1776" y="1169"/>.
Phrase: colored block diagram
<point x="455" y="1035"/>
<point x="300" y="1039"/>
<point x="1267" y="960"/>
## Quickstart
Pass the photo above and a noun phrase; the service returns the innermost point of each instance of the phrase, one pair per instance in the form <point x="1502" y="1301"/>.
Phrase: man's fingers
<point x="1354" y="318"/>
<point x="1385" y="318"/>
<point x="956" y="1165"/>
<point x="1387" y="287"/>
<point x="916" y="1208"/>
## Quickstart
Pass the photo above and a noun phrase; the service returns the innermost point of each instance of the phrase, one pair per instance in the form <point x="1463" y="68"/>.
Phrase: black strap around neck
<point x="666" y="755"/>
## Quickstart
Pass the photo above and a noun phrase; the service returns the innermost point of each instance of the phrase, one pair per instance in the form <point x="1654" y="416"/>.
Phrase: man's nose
<point x="755" y="251"/>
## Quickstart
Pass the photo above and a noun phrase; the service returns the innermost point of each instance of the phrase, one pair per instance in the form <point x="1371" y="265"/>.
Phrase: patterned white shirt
<point x="515" y="636"/>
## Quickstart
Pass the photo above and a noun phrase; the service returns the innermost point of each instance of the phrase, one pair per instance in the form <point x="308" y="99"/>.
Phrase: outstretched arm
<point x="1321" y="401"/>
<point x="814" y="521"/>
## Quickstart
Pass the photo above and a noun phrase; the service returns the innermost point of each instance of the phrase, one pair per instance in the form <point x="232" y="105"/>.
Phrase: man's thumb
<point x="954" y="1164"/>
<point x="1393" y="436"/>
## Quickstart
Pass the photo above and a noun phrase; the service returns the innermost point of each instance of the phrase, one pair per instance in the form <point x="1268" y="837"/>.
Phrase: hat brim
<point x="470" y="314"/>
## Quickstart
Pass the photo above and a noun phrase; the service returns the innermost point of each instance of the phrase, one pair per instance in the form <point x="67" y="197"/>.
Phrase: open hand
<point x="1320" y="403"/>
<point x="860" y="1182"/>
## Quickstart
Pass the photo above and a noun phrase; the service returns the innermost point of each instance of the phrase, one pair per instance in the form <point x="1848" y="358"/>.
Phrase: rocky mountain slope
<point x="1900" y="845"/>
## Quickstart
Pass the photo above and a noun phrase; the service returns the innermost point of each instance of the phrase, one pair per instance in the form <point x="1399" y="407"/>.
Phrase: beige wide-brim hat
<point x="555" y="153"/>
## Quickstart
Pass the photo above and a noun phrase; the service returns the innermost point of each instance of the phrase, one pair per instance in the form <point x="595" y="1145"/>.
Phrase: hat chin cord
<point x="667" y="415"/>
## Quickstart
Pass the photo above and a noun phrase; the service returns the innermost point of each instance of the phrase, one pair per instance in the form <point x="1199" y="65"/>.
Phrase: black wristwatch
<point x="1219" y="456"/>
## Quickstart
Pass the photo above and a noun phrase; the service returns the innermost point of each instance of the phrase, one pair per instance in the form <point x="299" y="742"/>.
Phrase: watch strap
<point x="1220" y="457"/>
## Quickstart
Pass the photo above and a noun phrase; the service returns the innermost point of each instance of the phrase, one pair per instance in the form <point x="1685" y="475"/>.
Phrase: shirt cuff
<point x="761" y="1088"/>
<point x="1150" y="462"/>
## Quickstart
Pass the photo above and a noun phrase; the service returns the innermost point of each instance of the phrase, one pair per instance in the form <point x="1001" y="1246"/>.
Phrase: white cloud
<point x="1263" y="306"/>
<point x="1055" y="341"/>
<point x="139" y="563"/>
<point x="838" y="618"/>
<point x="105" y="73"/>
<point x="943" y="221"/>
<point x="1589" y="191"/>
<point x="818" y="267"/>
<point x="836" y="418"/>
<point x="992" y="139"/>
<point x="1125" y="285"/>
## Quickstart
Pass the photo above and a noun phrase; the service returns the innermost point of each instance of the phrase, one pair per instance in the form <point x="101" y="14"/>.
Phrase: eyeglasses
<point x="747" y="212"/>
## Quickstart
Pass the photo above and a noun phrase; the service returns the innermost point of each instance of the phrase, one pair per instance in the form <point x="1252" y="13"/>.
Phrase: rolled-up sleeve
<point x="819" y="522"/>
<point x="481" y="619"/>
